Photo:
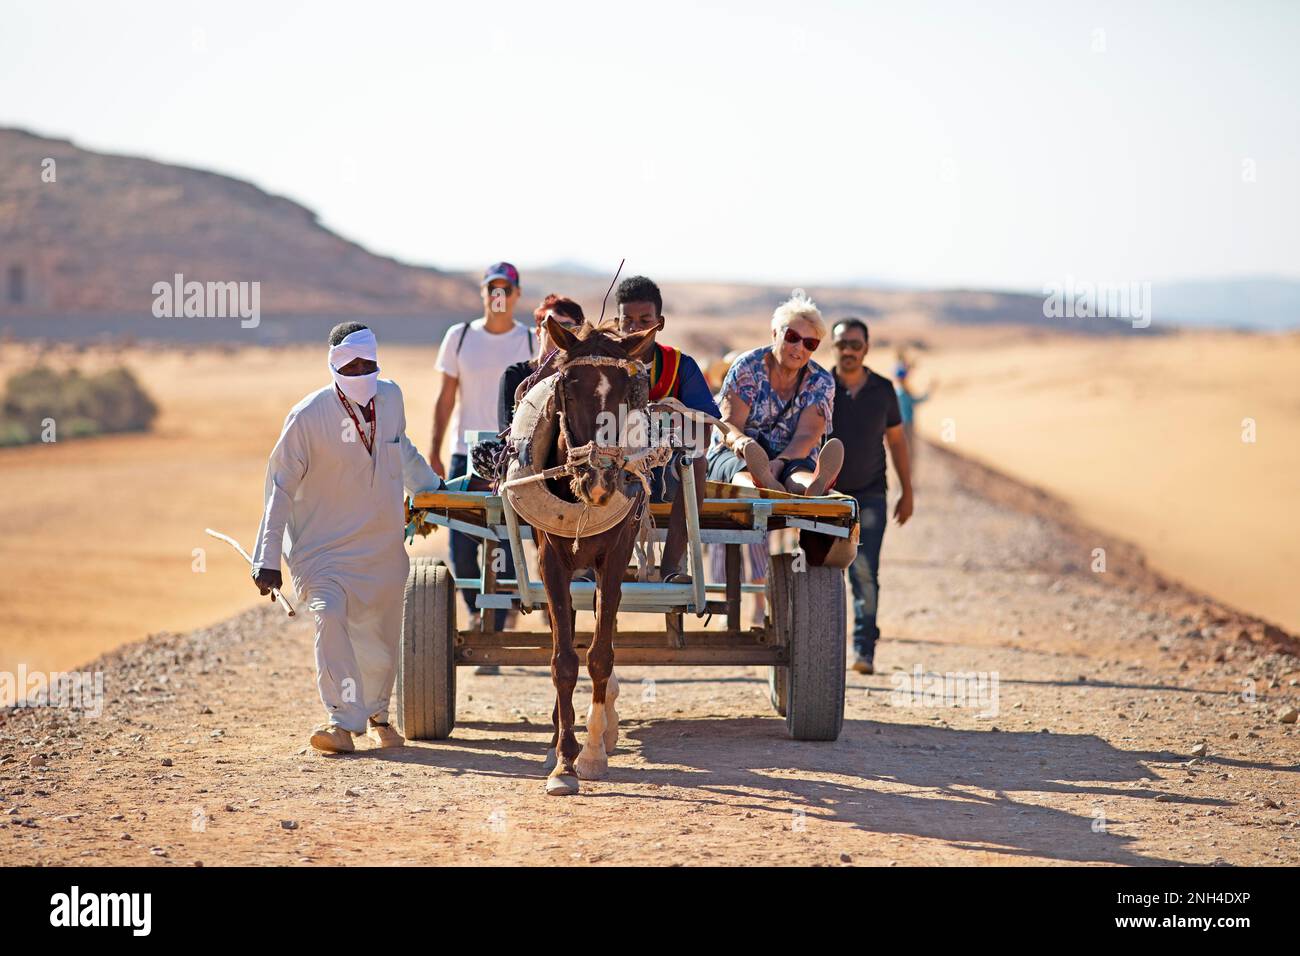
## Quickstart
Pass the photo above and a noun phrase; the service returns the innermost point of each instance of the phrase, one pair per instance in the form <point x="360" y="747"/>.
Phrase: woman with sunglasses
<point x="777" y="406"/>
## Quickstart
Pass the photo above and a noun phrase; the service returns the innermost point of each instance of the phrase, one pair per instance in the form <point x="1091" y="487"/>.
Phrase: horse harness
<point x="637" y="461"/>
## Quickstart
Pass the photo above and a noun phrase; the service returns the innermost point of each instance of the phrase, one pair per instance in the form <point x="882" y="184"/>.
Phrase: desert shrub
<point x="12" y="433"/>
<point x="77" y="427"/>
<point x="33" y="395"/>
<point x="81" y="405"/>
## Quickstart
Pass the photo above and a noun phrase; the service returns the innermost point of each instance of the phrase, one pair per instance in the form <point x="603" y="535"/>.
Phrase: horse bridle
<point x="593" y="454"/>
<point x="638" y="462"/>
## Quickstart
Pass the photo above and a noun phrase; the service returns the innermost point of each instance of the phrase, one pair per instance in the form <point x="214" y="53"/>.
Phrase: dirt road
<point x="1106" y="684"/>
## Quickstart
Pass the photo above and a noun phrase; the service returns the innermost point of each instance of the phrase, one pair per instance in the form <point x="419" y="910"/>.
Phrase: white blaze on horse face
<point x="602" y="389"/>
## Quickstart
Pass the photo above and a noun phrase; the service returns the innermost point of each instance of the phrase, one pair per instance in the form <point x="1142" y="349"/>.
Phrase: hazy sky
<point x="986" y="144"/>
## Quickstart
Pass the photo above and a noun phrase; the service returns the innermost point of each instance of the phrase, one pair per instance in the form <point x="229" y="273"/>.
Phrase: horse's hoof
<point x="564" y="785"/>
<point x="589" y="768"/>
<point x="549" y="763"/>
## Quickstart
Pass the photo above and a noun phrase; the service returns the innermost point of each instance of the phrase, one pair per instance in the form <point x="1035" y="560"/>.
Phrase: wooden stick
<point x="275" y="592"/>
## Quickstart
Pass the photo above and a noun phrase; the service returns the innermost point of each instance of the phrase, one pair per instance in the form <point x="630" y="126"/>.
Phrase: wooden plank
<point x="830" y="506"/>
<point x="629" y="656"/>
<point x="488" y="617"/>
<point x="674" y="630"/>
<point x="455" y="500"/>
<point x="733" y="586"/>
<point x="479" y="639"/>
<point x="838" y="507"/>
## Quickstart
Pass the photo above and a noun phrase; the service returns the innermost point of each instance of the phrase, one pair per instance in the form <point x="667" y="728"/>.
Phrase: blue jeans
<point x="864" y="572"/>
<point x="465" y="548"/>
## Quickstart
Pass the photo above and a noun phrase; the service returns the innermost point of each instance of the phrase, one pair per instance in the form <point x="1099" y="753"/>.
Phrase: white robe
<point x="335" y="511"/>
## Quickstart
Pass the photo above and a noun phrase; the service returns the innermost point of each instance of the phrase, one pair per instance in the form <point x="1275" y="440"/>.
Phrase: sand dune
<point x="1145" y="439"/>
<point x="97" y="536"/>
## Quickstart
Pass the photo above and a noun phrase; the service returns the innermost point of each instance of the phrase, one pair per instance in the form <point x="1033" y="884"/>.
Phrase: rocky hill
<point x="85" y="236"/>
<point x="95" y="240"/>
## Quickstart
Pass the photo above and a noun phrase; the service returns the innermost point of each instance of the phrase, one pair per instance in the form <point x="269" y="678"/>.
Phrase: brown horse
<point x="597" y="372"/>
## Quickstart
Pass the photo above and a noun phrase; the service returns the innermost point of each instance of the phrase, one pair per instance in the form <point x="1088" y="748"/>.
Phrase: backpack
<point x="465" y="331"/>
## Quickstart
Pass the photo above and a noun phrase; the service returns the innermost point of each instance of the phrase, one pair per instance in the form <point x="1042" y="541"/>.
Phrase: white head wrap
<point x="359" y="344"/>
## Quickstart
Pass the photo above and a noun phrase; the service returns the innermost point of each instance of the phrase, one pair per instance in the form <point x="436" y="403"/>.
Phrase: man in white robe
<point x="334" y="510"/>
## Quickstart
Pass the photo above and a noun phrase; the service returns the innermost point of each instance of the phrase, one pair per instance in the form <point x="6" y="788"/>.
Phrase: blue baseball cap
<point x="502" y="270"/>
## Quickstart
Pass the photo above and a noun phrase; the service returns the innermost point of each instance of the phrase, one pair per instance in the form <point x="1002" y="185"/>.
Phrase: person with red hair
<point x="569" y="314"/>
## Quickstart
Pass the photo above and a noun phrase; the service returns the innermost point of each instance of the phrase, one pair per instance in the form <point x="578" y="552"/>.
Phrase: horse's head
<point x="596" y="387"/>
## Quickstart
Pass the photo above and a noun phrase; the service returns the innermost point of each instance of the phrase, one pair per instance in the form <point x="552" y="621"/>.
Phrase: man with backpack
<point x="471" y="360"/>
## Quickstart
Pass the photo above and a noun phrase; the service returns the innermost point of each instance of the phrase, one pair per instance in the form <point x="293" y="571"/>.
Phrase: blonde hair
<point x="799" y="306"/>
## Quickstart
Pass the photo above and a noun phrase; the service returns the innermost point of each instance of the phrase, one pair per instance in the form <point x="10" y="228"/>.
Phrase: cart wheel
<point x="426" y="676"/>
<point x="778" y="687"/>
<point x="811" y="619"/>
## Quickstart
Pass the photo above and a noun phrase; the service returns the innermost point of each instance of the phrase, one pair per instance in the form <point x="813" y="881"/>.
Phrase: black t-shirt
<point x="860" y="421"/>
<point x="510" y="379"/>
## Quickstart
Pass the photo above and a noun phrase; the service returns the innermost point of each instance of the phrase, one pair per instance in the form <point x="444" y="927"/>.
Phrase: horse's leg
<point x="549" y="763"/>
<point x="563" y="778"/>
<point x="611" y="713"/>
<point x="602" y="717"/>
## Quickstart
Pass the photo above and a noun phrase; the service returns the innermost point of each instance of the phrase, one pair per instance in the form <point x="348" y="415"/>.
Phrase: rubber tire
<point x="778" y="688"/>
<point x="426" y="673"/>
<point x="814" y="619"/>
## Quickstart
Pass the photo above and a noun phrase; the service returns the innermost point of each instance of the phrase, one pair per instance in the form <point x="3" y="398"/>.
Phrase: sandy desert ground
<point x="1144" y="438"/>
<point x="1141" y="437"/>
<point x="1109" y="683"/>
<point x="98" y="537"/>
<point x="1133" y="724"/>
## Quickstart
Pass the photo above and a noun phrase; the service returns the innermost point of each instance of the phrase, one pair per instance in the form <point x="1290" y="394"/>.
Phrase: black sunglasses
<point x="794" y="338"/>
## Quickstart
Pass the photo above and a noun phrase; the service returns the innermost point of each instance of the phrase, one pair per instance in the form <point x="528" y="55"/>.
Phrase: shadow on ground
<point x="963" y="787"/>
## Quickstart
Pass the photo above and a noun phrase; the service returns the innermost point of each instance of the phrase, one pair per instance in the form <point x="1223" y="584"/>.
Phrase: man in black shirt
<point x="865" y="417"/>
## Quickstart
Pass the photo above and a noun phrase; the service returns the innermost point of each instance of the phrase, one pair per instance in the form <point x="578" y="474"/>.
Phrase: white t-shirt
<point x="478" y="362"/>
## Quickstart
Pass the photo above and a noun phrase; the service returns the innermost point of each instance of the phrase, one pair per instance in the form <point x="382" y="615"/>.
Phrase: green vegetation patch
<point x="41" y="402"/>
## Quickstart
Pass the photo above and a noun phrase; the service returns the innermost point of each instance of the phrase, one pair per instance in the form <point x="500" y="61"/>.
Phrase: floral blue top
<point x="747" y="380"/>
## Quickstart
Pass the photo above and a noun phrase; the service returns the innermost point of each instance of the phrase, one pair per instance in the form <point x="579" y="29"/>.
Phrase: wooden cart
<point x="802" y="642"/>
